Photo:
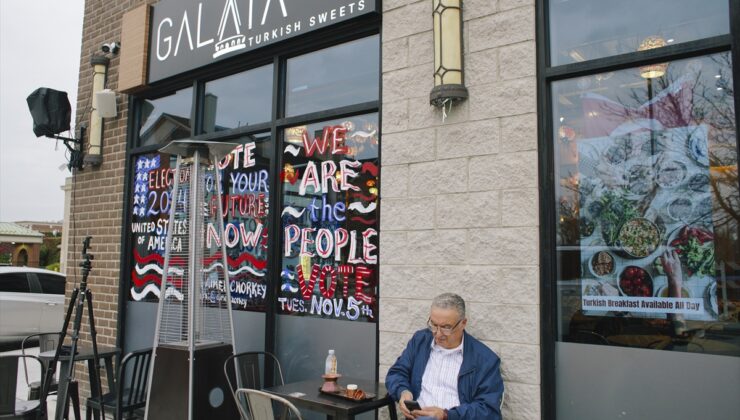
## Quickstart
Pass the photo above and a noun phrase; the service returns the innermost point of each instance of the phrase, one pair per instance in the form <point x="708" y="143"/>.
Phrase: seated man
<point x="451" y="374"/>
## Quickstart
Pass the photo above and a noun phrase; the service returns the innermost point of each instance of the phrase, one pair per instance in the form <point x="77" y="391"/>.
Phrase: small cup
<point x="351" y="387"/>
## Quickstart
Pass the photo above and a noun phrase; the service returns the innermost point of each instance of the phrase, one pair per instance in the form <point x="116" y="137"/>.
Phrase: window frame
<point x="546" y="75"/>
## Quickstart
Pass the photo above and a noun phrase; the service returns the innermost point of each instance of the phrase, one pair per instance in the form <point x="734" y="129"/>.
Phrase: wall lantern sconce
<point x="651" y="71"/>
<point x="449" y="81"/>
<point x="103" y="106"/>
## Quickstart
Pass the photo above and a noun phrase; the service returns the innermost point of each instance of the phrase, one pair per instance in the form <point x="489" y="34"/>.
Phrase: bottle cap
<point x="331" y="351"/>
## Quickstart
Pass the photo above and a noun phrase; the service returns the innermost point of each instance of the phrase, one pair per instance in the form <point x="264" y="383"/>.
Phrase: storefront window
<point x="346" y="74"/>
<point x="167" y="118"/>
<point x="246" y="196"/>
<point x="647" y="207"/>
<point x="330" y="180"/>
<point x="583" y="30"/>
<point x="239" y="100"/>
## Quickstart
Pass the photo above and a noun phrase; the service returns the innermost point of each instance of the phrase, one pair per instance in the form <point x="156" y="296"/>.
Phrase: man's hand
<point x="435" y="412"/>
<point x="405" y="395"/>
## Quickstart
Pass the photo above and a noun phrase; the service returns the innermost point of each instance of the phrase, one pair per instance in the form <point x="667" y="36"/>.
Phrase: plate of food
<point x="698" y="149"/>
<point x="671" y="172"/>
<point x="597" y="288"/>
<point x="680" y="209"/>
<point x="695" y="248"/>
<point x="613" y="210"/>
<point x="640" y="179"/>
<point x="699" y="183"/>
<point x="663" y="292"/>
<point x="638" y="237"/>
<point x="348" y="393"/>
<point x="635" y="281"/>
<point x="602" y="264"/>
<point x="586" y="227"/>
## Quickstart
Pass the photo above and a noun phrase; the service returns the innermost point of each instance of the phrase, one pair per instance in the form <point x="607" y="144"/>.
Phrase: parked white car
<point x="31" y="301"/>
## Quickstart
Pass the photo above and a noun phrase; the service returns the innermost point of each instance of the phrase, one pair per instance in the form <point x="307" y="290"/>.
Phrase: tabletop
<point x="83" y="353"/>
<point x="306" y="394"/>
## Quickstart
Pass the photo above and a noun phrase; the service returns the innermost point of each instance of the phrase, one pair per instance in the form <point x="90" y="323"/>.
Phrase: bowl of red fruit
<point x="635" y="281"/>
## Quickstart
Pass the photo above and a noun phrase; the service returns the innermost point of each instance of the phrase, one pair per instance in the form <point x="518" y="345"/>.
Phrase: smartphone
<point x="412" y="405"/>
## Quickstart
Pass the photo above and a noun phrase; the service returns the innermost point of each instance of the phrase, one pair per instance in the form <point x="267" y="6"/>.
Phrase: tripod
<point x="80" y="295"/>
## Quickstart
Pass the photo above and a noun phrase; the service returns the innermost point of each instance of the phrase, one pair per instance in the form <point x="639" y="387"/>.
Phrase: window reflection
<point x="239" y="100"/>
<point x="346" y="74"/>
<point x="167" y="118"/>
<point x="588" y="29"/>
<point x="647" y="166"/>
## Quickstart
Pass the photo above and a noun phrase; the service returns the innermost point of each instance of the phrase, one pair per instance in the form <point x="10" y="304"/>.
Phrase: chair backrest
<point x="131" y="381"/>
<point x="47" y="342"/>
<point x="247" y="370"/>
<point x="262" y="405"/>
<point x="9" y="381"/>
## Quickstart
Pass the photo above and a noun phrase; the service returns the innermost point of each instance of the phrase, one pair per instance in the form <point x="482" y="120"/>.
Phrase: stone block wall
<point x="460" y="196"/>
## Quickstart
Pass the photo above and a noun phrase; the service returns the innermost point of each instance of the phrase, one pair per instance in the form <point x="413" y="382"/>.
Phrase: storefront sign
<point x="187" y="34"/>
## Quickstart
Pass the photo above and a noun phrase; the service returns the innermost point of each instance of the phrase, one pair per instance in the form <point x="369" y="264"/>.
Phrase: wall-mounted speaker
<point x="50" y="111"/>
<point x="106" y="103"/>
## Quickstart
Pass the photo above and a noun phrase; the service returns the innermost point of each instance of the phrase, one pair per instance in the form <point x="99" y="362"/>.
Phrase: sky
<point x="40" y="44"/>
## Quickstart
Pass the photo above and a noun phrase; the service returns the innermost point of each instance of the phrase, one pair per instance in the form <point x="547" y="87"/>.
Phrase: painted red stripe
<point x="363" y="221"/>
<point x="362" y="196"/>
<point x="370" y="167"/>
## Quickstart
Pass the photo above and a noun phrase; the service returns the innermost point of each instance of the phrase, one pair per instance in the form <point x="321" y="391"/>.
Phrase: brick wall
<point x="97" y="197"/>
<point x="460" y="209"/>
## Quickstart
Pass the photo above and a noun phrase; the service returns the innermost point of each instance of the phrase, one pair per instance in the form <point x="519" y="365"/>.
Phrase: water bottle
<point x="331" y="363"/>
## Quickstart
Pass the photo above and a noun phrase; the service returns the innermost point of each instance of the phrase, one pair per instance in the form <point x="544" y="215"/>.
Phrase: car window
<point x="51" y="284"/>
<point x="13" y="282"/>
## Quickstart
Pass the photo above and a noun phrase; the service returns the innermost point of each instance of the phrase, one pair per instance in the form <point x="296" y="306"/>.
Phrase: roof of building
<point x="14" y="232"/>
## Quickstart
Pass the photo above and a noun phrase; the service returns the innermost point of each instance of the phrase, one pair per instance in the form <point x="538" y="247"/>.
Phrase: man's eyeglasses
<point x="444" y="330"/>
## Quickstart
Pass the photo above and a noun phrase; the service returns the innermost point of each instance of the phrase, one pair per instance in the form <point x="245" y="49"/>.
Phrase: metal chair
<point x="260" y="405"/>
<point x="47" y="342"/>
<point x="10" y="406"/>
<point x="247" y="370"/>
<point x="130" y="388"/>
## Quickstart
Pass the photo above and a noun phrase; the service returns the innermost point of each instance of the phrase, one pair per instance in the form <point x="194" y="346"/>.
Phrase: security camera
<point x="112" y="48"/>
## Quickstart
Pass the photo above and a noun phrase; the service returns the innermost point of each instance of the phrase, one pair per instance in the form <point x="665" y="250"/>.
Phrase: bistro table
<point x="306" y="394"/>
<point x="85" y="353"/>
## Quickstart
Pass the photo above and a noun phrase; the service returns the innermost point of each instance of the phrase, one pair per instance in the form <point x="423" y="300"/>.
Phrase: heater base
<point x="168" y="398"/>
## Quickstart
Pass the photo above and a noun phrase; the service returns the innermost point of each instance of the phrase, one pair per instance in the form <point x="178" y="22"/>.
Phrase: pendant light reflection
<point x="652" y="71"/>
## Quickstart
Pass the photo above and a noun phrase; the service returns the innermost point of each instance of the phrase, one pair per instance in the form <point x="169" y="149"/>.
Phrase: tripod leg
<point x="63" y="387"/>
<point x="63" y="390"/>
<point x="52" y="366"/>
<point x="74" y="397"/>
<point x="95" y="377"/>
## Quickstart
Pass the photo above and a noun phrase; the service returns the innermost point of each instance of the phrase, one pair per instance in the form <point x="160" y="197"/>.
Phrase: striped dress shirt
<point x="439" y="383"/>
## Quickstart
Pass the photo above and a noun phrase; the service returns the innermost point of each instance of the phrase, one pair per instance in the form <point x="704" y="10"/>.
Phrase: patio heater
<point x="194" y="333"/>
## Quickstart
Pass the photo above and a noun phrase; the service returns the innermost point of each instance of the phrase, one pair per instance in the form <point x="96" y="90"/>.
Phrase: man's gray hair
<point x="450" y="301"/>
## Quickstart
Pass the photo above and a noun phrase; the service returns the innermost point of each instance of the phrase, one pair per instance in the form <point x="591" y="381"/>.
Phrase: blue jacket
<point x="479" y="384"/>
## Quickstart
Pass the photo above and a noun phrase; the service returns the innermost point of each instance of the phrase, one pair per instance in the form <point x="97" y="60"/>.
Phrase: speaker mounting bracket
<point x="75" y="148"/>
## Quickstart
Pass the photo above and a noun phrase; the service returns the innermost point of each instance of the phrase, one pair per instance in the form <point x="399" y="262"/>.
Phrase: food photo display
<point x="642" y="194"/>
